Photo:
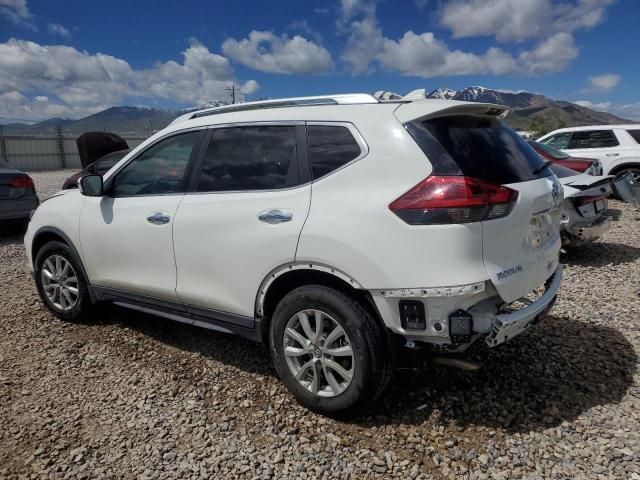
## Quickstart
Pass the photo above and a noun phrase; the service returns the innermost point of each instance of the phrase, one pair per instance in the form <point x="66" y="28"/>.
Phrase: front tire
<point x="61" y="284"/>
<point x="328" y="350"/>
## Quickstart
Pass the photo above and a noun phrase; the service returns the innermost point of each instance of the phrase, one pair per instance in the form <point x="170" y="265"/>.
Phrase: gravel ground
<point x="133" y="396"/>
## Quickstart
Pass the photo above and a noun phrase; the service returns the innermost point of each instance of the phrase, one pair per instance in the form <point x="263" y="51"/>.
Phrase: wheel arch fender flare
<point x="53" y="232"/>
<point x="624" y="163"/>
<point x="299" y="266"/>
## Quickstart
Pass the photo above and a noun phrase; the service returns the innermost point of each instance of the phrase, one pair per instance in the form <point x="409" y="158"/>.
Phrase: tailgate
<point x="521" y="250"/>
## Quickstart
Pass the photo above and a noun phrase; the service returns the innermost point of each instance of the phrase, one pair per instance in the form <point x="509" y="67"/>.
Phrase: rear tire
<point x="61" y="284"/>
<point x="340" y="369"/>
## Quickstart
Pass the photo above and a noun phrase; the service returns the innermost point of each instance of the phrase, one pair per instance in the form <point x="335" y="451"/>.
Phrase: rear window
<point x="635" y="134"/>
<point x="477" y="147"/>
<point x="330" y="147"/>
<point x="593" y="139"/>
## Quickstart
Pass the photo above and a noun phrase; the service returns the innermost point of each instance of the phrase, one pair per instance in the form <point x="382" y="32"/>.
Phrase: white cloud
<point x="602" y="106"/>
<point x="426" y="56"/>
<point x="604" y="82"/>
<point x="351" y="8"/>
<point x="629" y="111"/>
<point x="17" y="12"/>
<point x="270" y="53"/>
<point x="552" y="55"/>
<point x="57" y="29"/>
<point x="73" y="83"/>
<point x="517" y="20"/>
<point x="303" y="27"/>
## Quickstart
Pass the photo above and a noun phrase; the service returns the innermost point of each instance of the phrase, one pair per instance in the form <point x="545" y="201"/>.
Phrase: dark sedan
<point x="17" y="194"/>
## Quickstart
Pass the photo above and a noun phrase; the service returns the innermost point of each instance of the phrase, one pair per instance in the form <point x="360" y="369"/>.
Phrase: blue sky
<point x="73" y="58"/>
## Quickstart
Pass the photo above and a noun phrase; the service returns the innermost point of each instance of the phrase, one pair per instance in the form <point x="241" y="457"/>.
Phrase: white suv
<point x="616" y="146"/>
<point x="341" y="230"/>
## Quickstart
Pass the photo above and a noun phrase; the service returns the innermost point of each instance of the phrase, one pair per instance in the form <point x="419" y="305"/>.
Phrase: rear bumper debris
<point x="507" y="325"/>
<point x="587" y="233"/>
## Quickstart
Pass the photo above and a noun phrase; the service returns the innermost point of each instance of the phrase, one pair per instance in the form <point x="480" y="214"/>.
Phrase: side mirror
<point x="91" y="185"/>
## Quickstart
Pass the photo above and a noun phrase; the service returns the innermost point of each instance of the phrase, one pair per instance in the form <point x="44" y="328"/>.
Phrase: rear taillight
<point x="580" y="165"/>
<point x="24" y="182"/>
<point x="453" y="199"/>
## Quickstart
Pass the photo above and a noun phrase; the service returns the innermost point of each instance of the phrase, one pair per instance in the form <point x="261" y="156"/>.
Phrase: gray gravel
<point x="133" y="396"/>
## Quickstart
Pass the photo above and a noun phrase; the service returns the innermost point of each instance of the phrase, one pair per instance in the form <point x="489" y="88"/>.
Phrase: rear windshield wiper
<point x="542" y="167"/>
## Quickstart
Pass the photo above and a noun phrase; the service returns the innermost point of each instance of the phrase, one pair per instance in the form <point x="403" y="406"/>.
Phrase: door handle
<point x="275" y="216"/>
<point x="612" y="154"/>
<point x="159" y="218"/>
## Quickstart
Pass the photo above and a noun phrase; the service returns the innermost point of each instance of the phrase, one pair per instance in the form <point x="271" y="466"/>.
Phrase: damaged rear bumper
<point x="587" y="233"/>
<point x="507" y="325"/>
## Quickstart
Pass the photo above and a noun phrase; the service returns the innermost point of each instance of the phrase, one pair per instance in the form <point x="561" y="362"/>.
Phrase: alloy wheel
<point x="318" y="353"/>
<point x="59" y="282"/>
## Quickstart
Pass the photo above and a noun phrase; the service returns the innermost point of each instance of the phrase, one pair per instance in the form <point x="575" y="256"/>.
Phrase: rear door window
<point x="593" y="139"/>
<point x="635" y="134"/>
<point x="330" y="147"/>
<point x="250" y="158"/>
<point x="478" y="147"/>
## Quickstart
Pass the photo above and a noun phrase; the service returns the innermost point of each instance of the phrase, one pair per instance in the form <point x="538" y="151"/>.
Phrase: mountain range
<point x="528" y="108"/>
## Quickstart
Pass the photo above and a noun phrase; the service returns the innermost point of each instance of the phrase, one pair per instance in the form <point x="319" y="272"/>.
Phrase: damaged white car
<point x="584" y="211"/>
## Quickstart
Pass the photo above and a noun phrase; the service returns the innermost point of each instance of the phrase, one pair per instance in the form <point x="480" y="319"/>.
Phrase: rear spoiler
<point x="431" y="108"/>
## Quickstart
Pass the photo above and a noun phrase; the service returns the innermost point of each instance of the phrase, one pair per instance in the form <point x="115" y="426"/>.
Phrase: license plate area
<point x="600" y="206"/>
<point x="541" y="229"/>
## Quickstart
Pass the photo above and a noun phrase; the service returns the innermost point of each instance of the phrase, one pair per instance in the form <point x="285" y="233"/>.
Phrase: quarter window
<point x="250" y="158"/>
<point x="593" y="139"/>
<point x="635" y="134"/>
<point x="559" y="140"/>
<point x="158" y="170"/>
<point x="330" y="147"/>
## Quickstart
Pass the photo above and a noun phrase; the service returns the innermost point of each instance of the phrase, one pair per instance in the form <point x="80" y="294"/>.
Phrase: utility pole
<point x="232" y="89"/>
<point x="3" y="147"/>
<point x="60" y="144"/>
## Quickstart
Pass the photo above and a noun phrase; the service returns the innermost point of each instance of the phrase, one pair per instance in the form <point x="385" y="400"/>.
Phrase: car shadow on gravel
<point x="554" y="373"/>
<point x="601" y="253"/>
<point x="222" y="347"/>
<point x="11" y="232"/>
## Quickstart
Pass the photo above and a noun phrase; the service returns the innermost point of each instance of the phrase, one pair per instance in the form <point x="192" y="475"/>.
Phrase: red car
<point x="99" y="151"/>
<point x="583" y="165"/>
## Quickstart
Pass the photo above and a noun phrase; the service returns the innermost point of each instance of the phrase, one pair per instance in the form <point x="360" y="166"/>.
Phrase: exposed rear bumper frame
<point x="508" y="325"/>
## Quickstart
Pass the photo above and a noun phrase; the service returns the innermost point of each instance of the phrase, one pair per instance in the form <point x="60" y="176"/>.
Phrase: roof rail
<point x="343" y="99"/>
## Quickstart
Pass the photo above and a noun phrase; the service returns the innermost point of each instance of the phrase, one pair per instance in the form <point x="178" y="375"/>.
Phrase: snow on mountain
<point x="209" y="104"/>
<point x="385" y="96"/>
<point x="443" y="93"/>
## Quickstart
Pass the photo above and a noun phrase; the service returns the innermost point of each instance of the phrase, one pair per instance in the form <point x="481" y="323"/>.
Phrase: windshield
<point x="557" y="154"/>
